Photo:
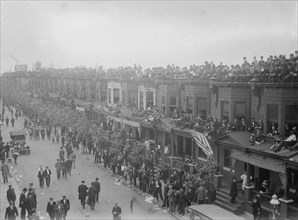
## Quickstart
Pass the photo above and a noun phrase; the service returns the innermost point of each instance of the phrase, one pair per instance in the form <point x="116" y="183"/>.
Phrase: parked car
<point x="18" y="137"/>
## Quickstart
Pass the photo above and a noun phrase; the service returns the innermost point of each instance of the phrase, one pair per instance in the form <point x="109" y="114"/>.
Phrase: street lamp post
<point x="274" y="203"/>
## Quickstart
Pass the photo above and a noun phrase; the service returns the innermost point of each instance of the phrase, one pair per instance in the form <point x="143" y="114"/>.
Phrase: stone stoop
<point x="223" y="200"/>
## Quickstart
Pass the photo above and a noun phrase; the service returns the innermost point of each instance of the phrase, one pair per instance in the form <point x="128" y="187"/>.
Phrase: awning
<point x="261" y="161"/>
<point x="125" y="121"/>
<point x="131" y="123"/>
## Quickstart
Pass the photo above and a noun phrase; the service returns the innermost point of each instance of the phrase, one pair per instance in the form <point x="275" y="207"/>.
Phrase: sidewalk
<point x="15" y="180"/>
<point x="147" y="196"/>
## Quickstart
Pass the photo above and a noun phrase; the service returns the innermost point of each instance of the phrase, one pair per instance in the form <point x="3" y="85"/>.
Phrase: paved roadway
<point x="45" y="153"/>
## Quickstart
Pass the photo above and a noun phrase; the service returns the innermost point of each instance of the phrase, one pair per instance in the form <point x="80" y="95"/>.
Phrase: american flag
<point x="202" y="142"/>
<point x="161" y="124"/>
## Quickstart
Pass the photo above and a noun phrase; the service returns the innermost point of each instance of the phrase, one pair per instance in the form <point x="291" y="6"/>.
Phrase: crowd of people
<point x="175" y="189"/>
<point x="28" y="203"/>
<point x="278" y="68"/>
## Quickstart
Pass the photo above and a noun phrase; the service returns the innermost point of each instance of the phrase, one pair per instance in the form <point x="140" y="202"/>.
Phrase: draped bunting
<point x="202" y="142"/>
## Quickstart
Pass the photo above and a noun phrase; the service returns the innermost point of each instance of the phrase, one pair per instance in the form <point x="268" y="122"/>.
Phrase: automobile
<point x="211" y="212"/>
<point x="19" y="137"/>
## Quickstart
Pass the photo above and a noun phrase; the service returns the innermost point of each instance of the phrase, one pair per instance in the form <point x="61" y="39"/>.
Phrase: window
<point x="179" y="147"/>
<point x="188" y="147"/>
<point x="239" y="110"/>
<point x="109" y="95"/>
<point x="141" y="99"/>
<point x="189" y="104"/>
<point x="227" y="159"/>
<point x="291" y="118"/>
<point x="149" y="99"/>
<point x="272" y="117"/>
<point x="116" y="96"/>
<point x="173" y="101"/>
<point x="225" y="110"/>
<point x="202" y="107"/>
<point x="163" y="103"/>
<point x="103" y="95"/>
<point x="163" y="100"/>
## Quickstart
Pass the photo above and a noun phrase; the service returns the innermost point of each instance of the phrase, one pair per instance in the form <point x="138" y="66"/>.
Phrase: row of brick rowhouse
<point x="275" y="104"/>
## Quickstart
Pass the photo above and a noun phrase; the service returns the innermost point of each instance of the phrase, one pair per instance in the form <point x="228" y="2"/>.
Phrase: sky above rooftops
<point x="148" y="33"/>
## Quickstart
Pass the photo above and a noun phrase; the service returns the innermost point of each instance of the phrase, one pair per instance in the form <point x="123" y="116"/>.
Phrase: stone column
<point x="88" y="90"/>
<point x="217" y="181"/>
<point x="80" y="89"/>
<point x="154" y="97"/>
<point x="284" y="203"/>
<point x="145" y="100"/>
<point x="139" y="98"/>
<point x="248" y="174"/>
<point x="248" y="197"/>
<point x="184" y="148"/>
<point x="112" y="95"/>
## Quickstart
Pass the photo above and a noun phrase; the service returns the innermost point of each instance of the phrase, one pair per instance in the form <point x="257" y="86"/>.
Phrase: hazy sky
<point x="153" y="33"/>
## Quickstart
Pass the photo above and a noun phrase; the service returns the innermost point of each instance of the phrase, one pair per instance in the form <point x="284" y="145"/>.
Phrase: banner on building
<point x="161" y="125"/>
<point x="202" y="142"/>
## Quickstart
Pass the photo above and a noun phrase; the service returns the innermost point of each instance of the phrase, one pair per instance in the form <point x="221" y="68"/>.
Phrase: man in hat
<point x="32" y="193"/>
<point x="233" y="190"/>
<point x="68" y="165"/>
<point x="58" y="168"/>
<point x="291" y="140"/>
<point x="64" y="168"/>
<point x="116" y="211"/>
<point x="5" y="171"/>
<point x="11" y="195"/>
<point x="64" y="202"/>
<point x="171" y="196"/>
<point x="7" y="121"/>
<point x="11" y="212"/>
<point x="91" y="196"/>
<point x="30" y="204"/>
<point x="47" y="175"/>
<point x="40" y="175"/>
<point x="97" y="187"/>
<point x="51" y="209"/>
<point x="22" y="203"/>
<point x="83" y="192"/>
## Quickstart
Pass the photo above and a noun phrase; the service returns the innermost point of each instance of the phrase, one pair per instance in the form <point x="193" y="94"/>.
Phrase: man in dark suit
<point x="47" y="175"/>
<point x="11" y="194"/>
<point x="66" y="206"/>
<point x="233" y="190"/>
<point x="51" y="209"/>
<point x="64" y="168"/>
<point x="116" y="211"/>
<point x="83" y="192"/>
<point x="40" y="175"/>
<point x="68" y="163"/>
<point x="58" y="168"/>
<point x="11" y="212"/>
<point x="91" y="196"/>
<point x="22" y="204"/>
<point x="97" y="187"/>
<point x="158" y="190"/>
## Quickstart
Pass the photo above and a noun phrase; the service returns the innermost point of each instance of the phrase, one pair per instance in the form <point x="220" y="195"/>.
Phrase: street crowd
<point x="56" y="210"/>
